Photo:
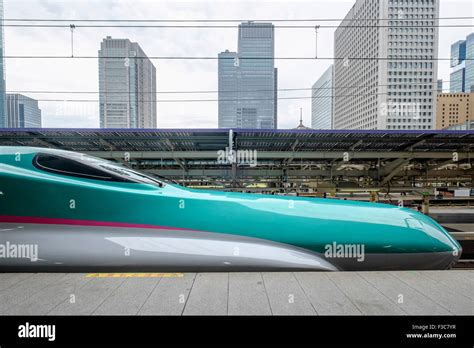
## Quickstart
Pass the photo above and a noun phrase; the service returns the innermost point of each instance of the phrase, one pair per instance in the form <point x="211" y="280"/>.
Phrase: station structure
<point x="277" y="160"/>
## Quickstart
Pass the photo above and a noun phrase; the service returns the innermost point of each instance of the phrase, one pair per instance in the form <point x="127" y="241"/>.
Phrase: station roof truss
<point x="193" y="153"/>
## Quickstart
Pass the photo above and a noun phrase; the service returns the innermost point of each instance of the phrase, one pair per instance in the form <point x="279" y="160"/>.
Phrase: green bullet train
<point x="62" y="210"/>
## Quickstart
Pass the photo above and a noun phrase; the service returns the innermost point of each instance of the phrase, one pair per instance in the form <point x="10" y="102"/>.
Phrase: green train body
<point x="84" y="212"/>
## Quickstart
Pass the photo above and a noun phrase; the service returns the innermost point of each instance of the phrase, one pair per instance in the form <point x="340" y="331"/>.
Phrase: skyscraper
<point x="22" y="112"/>
<point x="248" y="80"/>
<point x="393" y="86"/>
<point x="462" y="75"/>
<point x="322" y="101"/>
<point x="3" y="112"/>
<point x="458" y="63"/>
<point x="127" y="85"/>
<point x="469" y="83"/>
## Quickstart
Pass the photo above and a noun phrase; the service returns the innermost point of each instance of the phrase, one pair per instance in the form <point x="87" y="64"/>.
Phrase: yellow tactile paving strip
<point x="134" y="275"/>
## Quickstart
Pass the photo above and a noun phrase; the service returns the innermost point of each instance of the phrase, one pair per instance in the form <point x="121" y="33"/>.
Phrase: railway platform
<point x="258" y="293"/>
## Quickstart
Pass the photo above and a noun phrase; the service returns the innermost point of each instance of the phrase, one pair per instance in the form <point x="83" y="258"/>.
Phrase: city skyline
<point x="80" y="75"/>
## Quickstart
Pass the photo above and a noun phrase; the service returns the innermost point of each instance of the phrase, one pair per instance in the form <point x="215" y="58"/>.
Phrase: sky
<point x="177" y="75"/>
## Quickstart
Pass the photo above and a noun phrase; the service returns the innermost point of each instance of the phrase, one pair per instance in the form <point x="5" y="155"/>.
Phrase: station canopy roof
<point x="90" y="140"/>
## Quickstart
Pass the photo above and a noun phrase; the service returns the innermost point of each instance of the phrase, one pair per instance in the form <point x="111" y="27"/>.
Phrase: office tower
<point x="228" y="86"/>
<point x="3" y="112"/>
<point x="386" y="72"/>
<point x="458" y="63"/>
<point x="454" y="109"/>
<point x="127" y="85"/>
<point x="247" y="80"/>
<point x="22" y="112"/>
<point x="322" y="101"/>
<point x="469" y="77"/>
<point x="462" y="75"/>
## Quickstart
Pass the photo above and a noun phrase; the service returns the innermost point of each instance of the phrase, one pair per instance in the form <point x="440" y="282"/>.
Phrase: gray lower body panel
<point x="80" y="248"/>
<point x="85" y="248"/>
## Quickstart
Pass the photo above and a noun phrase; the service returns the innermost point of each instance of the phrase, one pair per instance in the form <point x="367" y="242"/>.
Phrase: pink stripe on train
<point x="60" y="221"/>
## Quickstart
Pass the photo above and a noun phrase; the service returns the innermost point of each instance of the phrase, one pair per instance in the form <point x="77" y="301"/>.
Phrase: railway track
<point x="465" y="264"/>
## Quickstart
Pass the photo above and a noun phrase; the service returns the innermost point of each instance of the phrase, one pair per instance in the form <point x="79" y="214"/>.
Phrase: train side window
<point x="66" y="166"/>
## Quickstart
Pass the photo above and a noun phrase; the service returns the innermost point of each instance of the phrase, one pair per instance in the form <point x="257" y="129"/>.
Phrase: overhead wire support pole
<point x="72" y="27"/>
<point x="316" y="28"/>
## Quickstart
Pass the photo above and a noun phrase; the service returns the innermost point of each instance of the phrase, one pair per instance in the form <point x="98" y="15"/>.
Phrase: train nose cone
<point x="456" y="257"/>
<point x="456" y="250"/>
<point x="448" y="250"/>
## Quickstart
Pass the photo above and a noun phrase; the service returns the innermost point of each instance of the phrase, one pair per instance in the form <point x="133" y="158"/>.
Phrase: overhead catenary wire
<point x="82" y="20"/>
<point x="343" y="20"/>
<point x="180" y="20"/>
<point x="165" y="23"/>
<point x="235" y="91"/>
<point x="227" y="100"/>
<point x="402" y="59"/>
<point x="175" y="26"/>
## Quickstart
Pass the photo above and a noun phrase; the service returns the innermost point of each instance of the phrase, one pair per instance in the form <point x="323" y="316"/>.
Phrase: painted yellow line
<point x="134" y="275"/>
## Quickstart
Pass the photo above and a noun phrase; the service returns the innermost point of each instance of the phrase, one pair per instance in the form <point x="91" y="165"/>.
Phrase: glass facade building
<point x="22" y="112"/>
<point x="462" y="76"/>
<point x="458" y="63"/>
<point x="248" y="80"/>
<point x="322" y="101"/>
<point x="458" y="80"/>
<point x="458" y="53"/>
<point x="3" y="112"/>
<point x="469" y="76"/>
<point x="127" y="85"/>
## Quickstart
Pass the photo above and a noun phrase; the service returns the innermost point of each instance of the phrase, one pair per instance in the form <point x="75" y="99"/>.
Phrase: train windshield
<point x="122" y="169"/>
<point x="84" y="166"/>
<point x="130" y="174"/>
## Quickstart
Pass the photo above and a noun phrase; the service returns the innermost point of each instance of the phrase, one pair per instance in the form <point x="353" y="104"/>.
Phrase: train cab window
<point x="90" y="168"/>
<point x="66" y="166"/>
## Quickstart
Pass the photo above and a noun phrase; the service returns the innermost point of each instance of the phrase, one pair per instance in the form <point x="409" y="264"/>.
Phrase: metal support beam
<point x="395" y="167"/>
<point x="44" y="143"/>
<point x="181" y="162"/>
<point x="292" y="156"/>
<point x="353" y="147"/>
<point x="108" y="144"/>
<point x="412" y="147"/>
<point x="310" y="173"/>
<point x="321" y="155"/>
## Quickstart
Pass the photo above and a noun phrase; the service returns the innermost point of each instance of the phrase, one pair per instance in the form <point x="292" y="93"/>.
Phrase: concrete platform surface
<point x="283" y="293"/>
